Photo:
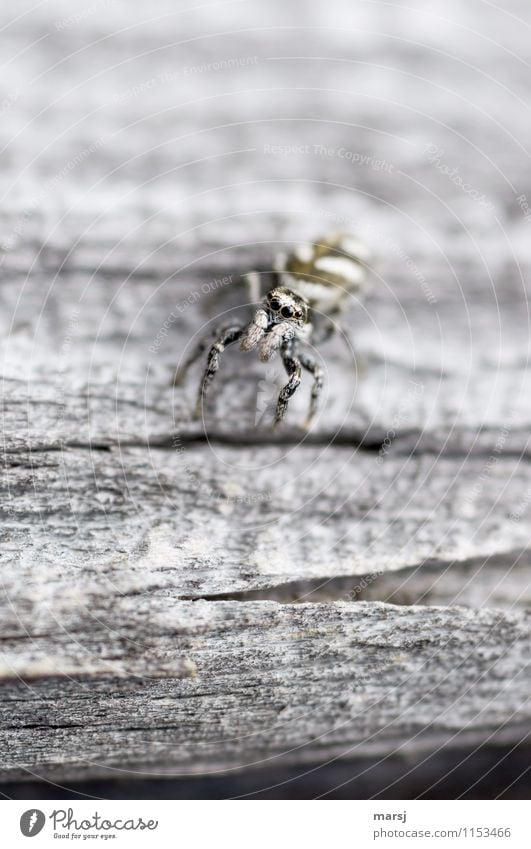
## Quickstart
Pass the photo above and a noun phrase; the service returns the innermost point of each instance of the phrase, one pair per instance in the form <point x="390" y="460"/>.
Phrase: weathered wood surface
<point x="151" y="562"/>
<point x="219" y="520"/>
<point x="223" y="685"/>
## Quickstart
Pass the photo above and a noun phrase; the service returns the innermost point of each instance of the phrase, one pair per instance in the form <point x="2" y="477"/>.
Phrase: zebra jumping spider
<point x="310" y="285"/>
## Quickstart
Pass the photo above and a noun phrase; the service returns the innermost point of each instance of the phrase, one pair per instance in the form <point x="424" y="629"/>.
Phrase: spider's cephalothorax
<point x="319" y="277"/>
<point x="282" y="317"/>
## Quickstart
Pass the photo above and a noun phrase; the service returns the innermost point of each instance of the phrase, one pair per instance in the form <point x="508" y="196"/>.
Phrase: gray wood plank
<point x="197" y="687"/>
<point x="218" y="519"/>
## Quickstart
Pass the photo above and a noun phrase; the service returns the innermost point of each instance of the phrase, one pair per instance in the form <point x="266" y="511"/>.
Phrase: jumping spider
<point x="311" y="284"/>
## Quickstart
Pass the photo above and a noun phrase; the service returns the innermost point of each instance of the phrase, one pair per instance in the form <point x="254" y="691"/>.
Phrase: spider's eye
<point x="287" y="312"/>
<point x="274" y="304"/>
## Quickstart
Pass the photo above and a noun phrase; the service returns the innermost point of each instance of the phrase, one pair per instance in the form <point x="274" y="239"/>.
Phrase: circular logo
<point x="31" y="822"/>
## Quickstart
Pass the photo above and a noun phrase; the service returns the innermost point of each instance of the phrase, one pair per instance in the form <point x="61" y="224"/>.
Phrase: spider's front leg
<point x="227" y="336"/>
<point x="255" y="331"/>
<point x="316" y="371"/>
<point x="197" y="352"/>
<point x="292" y="364"/>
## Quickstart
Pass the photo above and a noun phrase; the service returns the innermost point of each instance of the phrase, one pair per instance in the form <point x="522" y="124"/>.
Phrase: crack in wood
<point x="431" y="582"/>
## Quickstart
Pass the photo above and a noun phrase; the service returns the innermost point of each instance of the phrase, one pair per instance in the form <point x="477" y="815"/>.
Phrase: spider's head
<point x="283" y="305"/>
<point x="282" y="315"/>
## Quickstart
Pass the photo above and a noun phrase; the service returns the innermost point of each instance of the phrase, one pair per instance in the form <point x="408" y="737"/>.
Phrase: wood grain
<point x="198" y="687"/>
<point x="225" y="519"/>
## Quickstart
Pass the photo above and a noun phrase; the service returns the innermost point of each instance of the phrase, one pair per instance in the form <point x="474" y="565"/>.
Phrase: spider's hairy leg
<point x="316" y="371"/>
<point x="292" y="365"/>
<point x="194" y="355"/>
<point x="255" y="330"/>
<point x="226" y="337"/>
<point x="277" y="336"/>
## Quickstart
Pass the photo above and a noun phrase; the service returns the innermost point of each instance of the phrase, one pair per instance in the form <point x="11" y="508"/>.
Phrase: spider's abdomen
<point x="326" y="271"/>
